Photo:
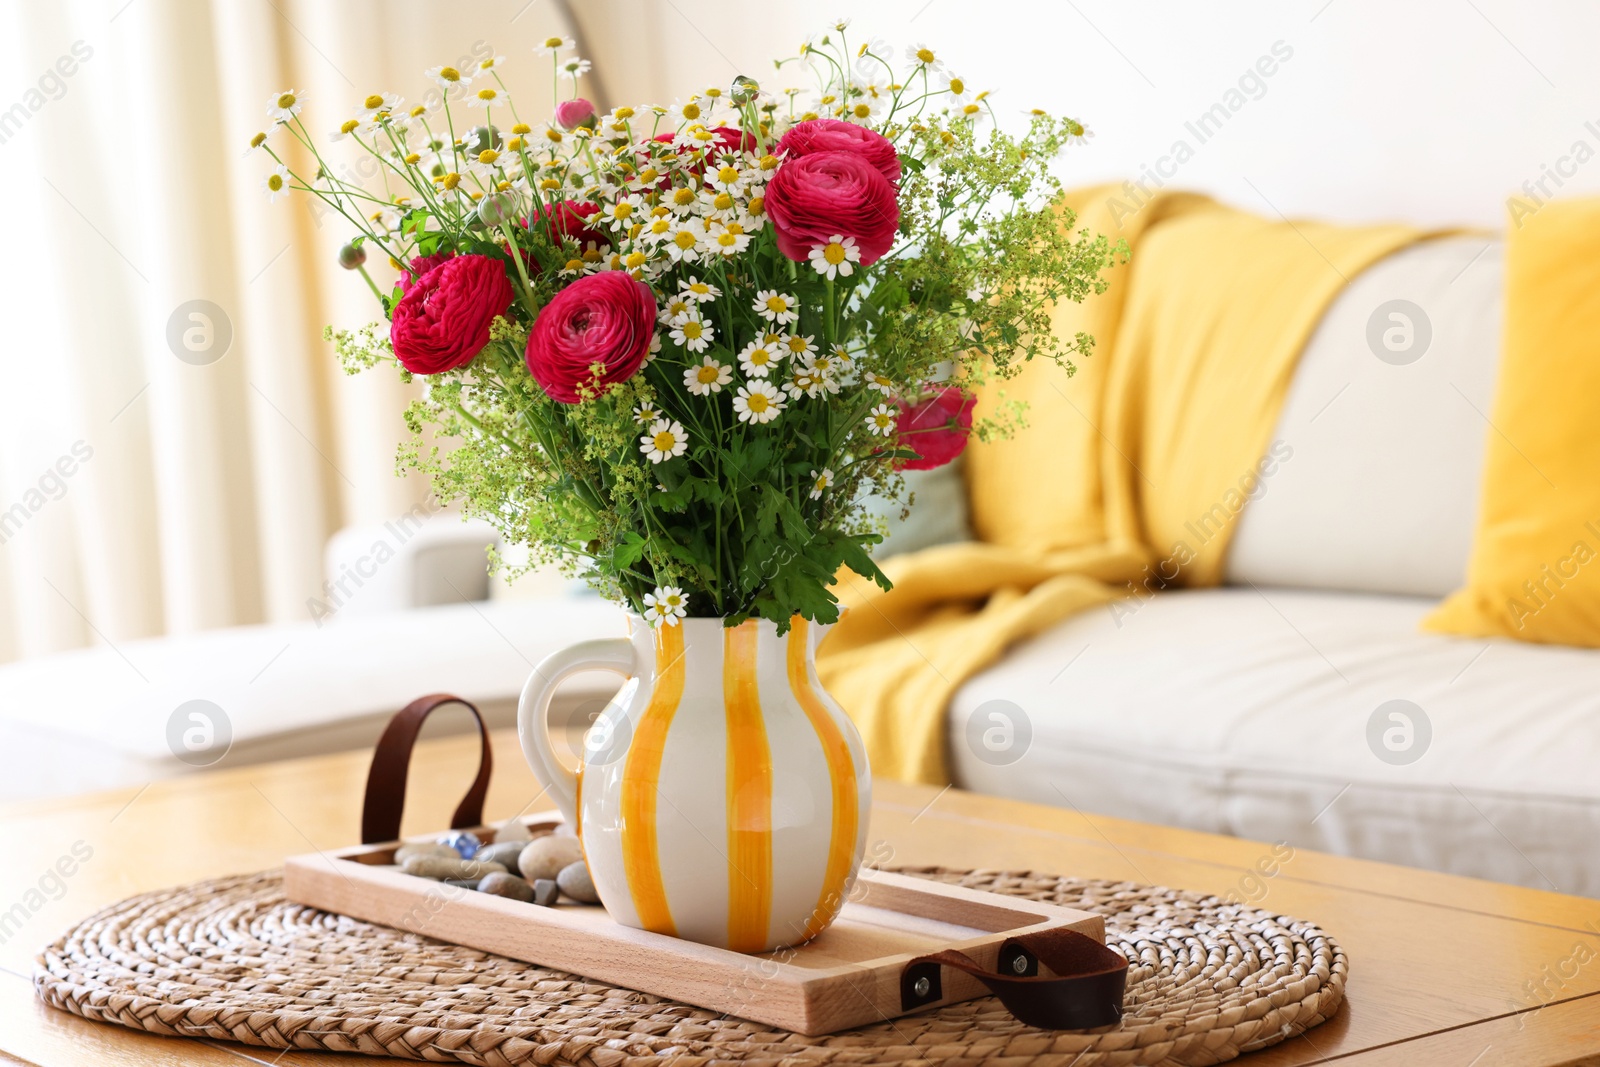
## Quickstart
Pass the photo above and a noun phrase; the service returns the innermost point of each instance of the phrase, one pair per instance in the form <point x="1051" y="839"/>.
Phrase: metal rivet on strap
<point x="1020" y="964"/>
<point x="922" y="985"/>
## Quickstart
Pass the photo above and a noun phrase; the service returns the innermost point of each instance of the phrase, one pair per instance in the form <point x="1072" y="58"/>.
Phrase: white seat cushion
<point x="1380" y="491"/>
<point x="98" y="718"/>
<point x="1245" y="712"/>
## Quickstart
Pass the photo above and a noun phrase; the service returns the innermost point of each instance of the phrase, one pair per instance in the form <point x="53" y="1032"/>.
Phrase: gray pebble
<point x="504" y="853"/>
<point x="441" y="867"/>
<point x="575" y="882"/>
<point x="425" y="848"/>
<point x="513" y="829"/>
<point x="506" y="885"/>
<point x="545" y="892"/>
<point x="543" y="857"/>
<point x="462" y="883"/>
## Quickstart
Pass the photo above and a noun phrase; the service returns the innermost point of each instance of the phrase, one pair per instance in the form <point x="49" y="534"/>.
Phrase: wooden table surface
<point x="1443" y="970"/>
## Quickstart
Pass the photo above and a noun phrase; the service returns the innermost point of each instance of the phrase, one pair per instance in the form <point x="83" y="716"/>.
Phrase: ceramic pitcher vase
<point x="722" y="795"/>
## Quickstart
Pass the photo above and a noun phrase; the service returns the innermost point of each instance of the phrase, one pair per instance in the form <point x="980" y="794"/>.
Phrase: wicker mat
<point x="231" y="960"/>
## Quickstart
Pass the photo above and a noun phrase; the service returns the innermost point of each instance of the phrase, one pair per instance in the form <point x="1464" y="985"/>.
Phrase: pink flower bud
<point x="573" y="113"/>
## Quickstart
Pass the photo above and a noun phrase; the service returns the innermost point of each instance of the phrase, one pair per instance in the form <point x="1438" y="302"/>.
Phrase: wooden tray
<point x="853" y="974"/>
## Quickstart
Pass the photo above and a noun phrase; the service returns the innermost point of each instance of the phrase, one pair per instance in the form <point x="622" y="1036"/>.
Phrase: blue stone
<point x="465" y="844"/>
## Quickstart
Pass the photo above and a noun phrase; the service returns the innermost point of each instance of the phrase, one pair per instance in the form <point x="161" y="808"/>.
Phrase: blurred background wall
<point x="177" y="442"/>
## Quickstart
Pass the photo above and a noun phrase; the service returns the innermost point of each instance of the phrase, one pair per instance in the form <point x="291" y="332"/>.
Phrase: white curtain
<point x="178" y="441"/>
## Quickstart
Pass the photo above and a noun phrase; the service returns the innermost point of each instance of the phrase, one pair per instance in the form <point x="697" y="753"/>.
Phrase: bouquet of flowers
<point x="674" y="348"/>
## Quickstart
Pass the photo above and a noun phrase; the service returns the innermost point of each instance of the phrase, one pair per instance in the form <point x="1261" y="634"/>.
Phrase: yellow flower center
<point x="621" y="210"/>
<point x="971" y="109"/>
<point x="591" y="255"/>
<point x="957" y="86"/>
<point x="553" y="134"/>
<point x="691" y="111"/>
<point x="553" y="42"/>
<point x="660" y="226"/>
<point x="418" y="111"/>
<point x="734" y="228"/>
<point x="665" y="440"/>
<point x="676" y="308"/>
<point x="796" y="345"/>
<point x="707" y="375"/>
<point x="760" y="357"/>
<point x="515" y="144"/>
<point x="862" y="111"/>
<point x="373" y="102"/>
<point x="624" y="112"/>
<point x="413" y="159"/>
<point x="728" y="239"/>
<point x="692" y="331"/>
<point x="649" y="175"/>
<point x="809" y="116"/>
<point x="925" y="55"/>
<point x="574" y="265"/>
<point x="452" y="180"/>
<point x="772" y="339"/>
<point x="275" y="182"/>
<point x="834" y="253"/>
<point x="450" y="74"/>
<point x="488" y="155"/>
<point x="777" y="304"/>
<point x="549" y="184"/>
<point x="757" y="205"/>
<point x="258" y="140"/>
<point x="636" y="259"/>
<point x="487" y="94"/>
<point x="758" y="402"/>
<point x="286" y="100"/>
<point x="722" y="202"/>
<point x="683" y="197"/>
<point x="769" y="162"/>
<point x="684" y="240"/>
<point x="728" y="174"/>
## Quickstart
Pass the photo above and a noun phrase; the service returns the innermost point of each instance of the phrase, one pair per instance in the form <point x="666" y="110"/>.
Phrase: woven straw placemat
<point x="231" y="960"/>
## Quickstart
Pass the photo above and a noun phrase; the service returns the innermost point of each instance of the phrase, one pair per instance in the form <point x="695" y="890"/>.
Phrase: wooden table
<point x="1444" y="970"/>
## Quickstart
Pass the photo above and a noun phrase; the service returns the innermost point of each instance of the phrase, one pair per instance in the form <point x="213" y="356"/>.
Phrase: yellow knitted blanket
<point x="1128" y="475"/>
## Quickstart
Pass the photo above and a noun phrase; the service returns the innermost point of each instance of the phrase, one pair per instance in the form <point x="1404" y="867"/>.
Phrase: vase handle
<point x="533" y="712"/>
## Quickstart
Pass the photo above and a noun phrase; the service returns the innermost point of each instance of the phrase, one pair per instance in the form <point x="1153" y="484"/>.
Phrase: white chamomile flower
<point x="836" y="257"/>
<point x="682" y="201"/>
<point x="348" y="127"/>
<point x="684" y="245"/>
<point x="776" y="307"/>
<point x="727" y="176"/>
<point x="690" y="111"/>
<point x="658" y="230"/>
<point x="1078" y="133"/>
<point x="694" y="334"/>
<point x="447" y="77"/>
<point x="554" y="46"/>
<point x="488" y="96"/>
<point x="666" y="440"/>
<point x="655" y="347"/>
<point x="622" y="212"/>
<point x="284" y="106"/>
<point x="727" y="240"/>
<point x="758" y="402"/>
<point x="492" y="63"/>
<point x="952" y="83"/>
<point x="798" y="347"/>
<point x="676" y="310"/>
<point x="665" y="606"/>
<point x="923" y="57"/>
<point x="880" y="420"/>
<point x="378" y="103"/>
<point x="708" y="377"/>
<point x="804" y="381"/>
<point x="820" y="481"/>
<point x="758" y="359"/>
<point x="645" y="412"/>
<point x="276" y="183"/>
<point x="882" y="383"/>
<point x="700" y="292"/>
<point x="720" y="205"/>
<point x="573" y="68"/>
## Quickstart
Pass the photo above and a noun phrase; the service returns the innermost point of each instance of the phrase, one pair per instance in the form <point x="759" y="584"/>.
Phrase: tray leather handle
<point x="391" y="760"/>
<point x="1085" y="992"/>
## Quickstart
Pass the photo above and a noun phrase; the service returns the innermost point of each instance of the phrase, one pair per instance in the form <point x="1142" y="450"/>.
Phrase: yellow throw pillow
<point x="1535" y="568"/>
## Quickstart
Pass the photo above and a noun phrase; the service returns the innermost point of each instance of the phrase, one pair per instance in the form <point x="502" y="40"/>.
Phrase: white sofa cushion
<point x="1380" y="493"/>
<point x="98" y="718"/>
<point x="1244" y="712"/>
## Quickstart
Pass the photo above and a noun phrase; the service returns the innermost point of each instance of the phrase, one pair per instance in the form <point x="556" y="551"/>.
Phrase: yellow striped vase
<point x="722" y="795"/>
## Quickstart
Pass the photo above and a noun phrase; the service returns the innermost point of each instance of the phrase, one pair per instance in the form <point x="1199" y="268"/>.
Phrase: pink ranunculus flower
<point x="812" y="197"/>
<point x="936" y="428"/>
<point x="570" y="114"/>
<point x="835" y="135"/>
<point x="594" y="333"/>
<point x="443" y="320"/>
<point x="420" y="266"/>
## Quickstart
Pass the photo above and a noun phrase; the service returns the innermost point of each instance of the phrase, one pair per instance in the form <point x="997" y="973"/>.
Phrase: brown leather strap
<point x="386" y="781"/>
<point x="1085" y="992"/>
